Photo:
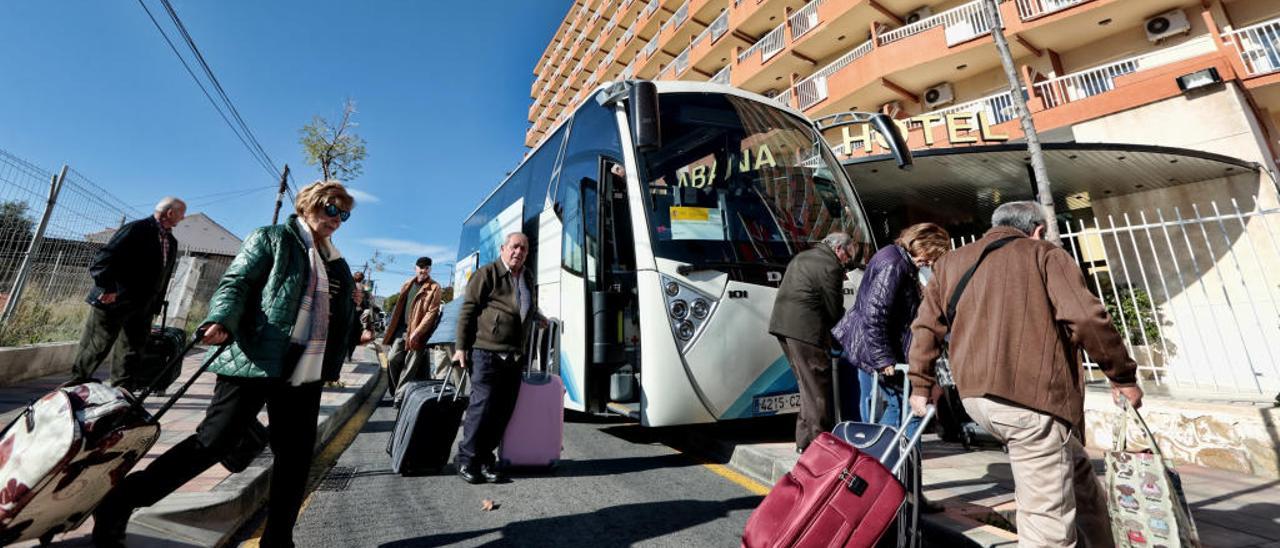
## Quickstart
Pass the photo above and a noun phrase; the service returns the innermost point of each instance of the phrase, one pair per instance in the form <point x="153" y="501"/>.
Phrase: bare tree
<point x="1045" y="194"/>
<point x="335" y="147"/>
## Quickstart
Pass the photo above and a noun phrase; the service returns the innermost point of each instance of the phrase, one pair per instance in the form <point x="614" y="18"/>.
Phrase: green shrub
<point x="37" y="322"/>
<point x="195" y="316"/>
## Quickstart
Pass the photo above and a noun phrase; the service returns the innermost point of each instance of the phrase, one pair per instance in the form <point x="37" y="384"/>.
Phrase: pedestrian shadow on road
<point x="615" y="526"/>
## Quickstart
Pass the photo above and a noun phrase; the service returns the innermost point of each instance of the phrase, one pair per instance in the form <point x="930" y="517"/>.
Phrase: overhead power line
<point x="238" y="127"/>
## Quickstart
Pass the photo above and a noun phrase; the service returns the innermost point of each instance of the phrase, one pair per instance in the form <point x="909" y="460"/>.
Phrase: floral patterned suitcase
<point x="1147" y="505"/>
<point x="63" y="453"/>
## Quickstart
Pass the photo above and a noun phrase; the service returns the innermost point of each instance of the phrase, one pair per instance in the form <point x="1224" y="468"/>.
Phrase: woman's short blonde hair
<point x="925" y="240"/>
<point x="320" y="193"/>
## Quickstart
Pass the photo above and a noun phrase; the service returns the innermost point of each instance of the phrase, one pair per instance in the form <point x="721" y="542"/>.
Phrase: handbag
<point x="1146" y="503"/>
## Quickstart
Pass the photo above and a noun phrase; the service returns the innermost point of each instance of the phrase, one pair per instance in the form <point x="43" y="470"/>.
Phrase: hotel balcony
<point x="1258" y="47"/>
<point x="1075" y="96"/>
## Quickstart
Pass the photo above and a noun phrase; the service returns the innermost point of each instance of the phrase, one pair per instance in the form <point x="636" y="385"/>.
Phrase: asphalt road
<point x="618" y="485"/>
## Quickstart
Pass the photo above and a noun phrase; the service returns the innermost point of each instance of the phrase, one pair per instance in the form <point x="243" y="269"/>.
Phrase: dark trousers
<point x="292" y="412"/>
<point x="495" y="383"/>
<point x="404" y="366"/>
<point x="101" y="329"/>
<point x="812" y="367"/>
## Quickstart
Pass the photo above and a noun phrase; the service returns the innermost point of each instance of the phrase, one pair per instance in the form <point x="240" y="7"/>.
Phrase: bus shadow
<point x="622" y="525"/>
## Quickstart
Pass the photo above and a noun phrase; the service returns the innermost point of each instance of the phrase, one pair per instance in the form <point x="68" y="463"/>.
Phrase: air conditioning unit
<point x="1167" y="24"/>
<point x="939" y="96"/>
<point x="892" y="109"/>
<point x="920" y="13"/>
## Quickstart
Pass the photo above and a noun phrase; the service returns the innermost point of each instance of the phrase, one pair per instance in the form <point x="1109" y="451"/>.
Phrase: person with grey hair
<point x="1018" y="312"/>
<point x="809" y="303"/>
<point x="130" y="276"/>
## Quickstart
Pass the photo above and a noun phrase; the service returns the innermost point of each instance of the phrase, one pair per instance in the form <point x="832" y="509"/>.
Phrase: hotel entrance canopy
<point x="961" y="186"/>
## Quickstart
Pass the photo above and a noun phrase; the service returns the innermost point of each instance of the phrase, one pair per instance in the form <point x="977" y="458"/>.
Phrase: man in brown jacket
<point x="414" y="319"/>
<point x="809" y="303"/>
<point x="1015" y="353"/>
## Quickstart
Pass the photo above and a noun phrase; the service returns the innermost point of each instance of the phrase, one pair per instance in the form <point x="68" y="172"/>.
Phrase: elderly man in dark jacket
<point x="809" y="303"/>
<point x="493" y="325"/>
<point x="130" y="275"/>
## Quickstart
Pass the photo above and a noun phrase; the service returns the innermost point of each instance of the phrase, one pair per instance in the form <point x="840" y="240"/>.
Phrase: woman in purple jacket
<point x="875" y="332"/>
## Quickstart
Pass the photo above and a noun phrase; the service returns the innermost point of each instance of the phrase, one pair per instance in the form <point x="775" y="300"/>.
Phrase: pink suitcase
<point x="535" y="434"/>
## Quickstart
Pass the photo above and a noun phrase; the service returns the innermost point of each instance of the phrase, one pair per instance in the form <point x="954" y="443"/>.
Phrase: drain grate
<point x="338" y="479"/>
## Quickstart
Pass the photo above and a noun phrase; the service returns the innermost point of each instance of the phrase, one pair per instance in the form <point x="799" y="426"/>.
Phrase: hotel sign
<point x="961" y="128"/>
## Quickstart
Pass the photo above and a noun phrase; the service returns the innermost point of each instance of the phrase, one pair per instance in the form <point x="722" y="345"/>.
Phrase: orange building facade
<point x="1161" y="120"/>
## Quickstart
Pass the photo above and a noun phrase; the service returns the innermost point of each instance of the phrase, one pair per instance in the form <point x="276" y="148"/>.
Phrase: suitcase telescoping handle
<point x="458" y="391"/>
<point x="902" y="369"/>
<point x="177" y="362"/>
<point x="906" y="451"/>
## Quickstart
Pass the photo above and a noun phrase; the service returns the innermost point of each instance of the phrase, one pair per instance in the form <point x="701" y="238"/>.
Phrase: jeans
<point x="890" y="404"/>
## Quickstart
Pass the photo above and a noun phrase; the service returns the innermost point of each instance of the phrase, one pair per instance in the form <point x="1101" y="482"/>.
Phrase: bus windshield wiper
<point x="686" y="269"/>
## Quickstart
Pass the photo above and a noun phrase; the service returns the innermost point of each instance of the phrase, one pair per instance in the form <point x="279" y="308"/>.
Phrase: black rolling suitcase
<point x="426" y="426"/>
<point x="163" y="345"/>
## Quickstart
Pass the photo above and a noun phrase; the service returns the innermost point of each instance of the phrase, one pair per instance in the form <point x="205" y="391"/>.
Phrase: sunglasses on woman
<point x="334" y="211"/>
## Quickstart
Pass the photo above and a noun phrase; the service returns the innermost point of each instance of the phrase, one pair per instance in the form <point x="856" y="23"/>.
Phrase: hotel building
<point x="1160" y="118"/>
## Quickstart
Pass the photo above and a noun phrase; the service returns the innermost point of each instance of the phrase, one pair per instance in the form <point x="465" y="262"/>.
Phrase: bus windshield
<point x="739" y="182"/>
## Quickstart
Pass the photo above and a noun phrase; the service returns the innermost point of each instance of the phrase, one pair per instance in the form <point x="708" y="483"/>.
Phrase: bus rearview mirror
<point x="646" y="134"/>
<point x="897" y="143"/>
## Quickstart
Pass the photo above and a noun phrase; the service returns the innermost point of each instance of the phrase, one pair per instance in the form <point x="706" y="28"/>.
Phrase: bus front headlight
<point x="679" y="309"/>
<point x="688" y="308"/>
<point x="700" y="308"/>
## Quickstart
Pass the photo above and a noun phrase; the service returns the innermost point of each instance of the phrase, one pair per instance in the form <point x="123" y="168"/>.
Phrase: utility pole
<point x="284" y="184"/>
<point x="1043" y="192"/>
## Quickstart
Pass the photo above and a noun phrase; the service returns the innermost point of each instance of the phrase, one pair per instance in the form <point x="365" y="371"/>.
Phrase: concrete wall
<point x="32" y="362"/>
<point x="1229" y="436"/>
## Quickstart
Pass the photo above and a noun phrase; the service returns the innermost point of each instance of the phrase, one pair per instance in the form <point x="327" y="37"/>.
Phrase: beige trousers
<point x="1055" y="489"/>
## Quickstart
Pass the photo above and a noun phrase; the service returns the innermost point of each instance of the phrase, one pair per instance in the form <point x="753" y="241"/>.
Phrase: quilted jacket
<point x="876" y="331"/>
<point x="258" y="299"/>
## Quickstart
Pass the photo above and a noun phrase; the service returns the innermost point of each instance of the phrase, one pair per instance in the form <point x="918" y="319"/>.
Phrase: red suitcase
<point x="835" y="496"/>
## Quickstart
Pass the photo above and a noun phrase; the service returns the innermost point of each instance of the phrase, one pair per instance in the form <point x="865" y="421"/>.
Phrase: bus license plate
<point x="777" y="403"/>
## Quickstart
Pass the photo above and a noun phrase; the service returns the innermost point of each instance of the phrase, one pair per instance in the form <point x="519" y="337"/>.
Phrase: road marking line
<point x="329" y="454"/>
<point x="732" y="475"/>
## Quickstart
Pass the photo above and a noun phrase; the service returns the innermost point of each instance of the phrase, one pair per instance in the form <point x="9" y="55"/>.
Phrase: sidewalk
<point x="209" y="509"/>
<point x="1231" y="510"/>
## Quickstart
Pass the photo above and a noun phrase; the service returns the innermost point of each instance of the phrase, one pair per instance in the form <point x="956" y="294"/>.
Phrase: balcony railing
<point x="804" y="19"/>
<point x="681" y="63"/>
<point x="1258" y="46"/>
<point x="651" y="47"/>
<point x="722" y="76"/>
<point x="719" y="26"/>
<point x="1076" y="86"/>
<point x="962" y="23"/>
<point x="784" y="97"/>
<point x="768" y="46"/>
<point x="1029" y="9"/>
<point x="649" y="8"/>
<point x="813" y="89"/>
<point x="680" y="16"/>
<point x="998" y="108"/>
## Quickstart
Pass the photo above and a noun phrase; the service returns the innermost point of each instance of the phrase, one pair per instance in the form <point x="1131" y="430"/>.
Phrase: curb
<point x="209" y="519"/>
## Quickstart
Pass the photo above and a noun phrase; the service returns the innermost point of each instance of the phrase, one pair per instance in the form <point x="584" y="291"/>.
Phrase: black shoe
<point x="491" y="474"/>
<point x="470" y="474"/>
<point x="109" y="526"/>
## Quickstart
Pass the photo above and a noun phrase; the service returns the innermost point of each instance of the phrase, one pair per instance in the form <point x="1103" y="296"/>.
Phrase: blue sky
<point x="442" y="90"/>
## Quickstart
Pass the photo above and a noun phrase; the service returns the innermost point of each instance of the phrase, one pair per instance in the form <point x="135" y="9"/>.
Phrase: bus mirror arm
<point x="897" y="144"/>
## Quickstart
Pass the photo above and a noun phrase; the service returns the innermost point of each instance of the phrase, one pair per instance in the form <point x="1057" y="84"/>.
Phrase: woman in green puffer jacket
<point x="285" y="306"/>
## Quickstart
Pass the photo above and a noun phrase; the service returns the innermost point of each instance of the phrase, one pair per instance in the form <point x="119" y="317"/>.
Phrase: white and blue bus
<point x="661" y="217"/>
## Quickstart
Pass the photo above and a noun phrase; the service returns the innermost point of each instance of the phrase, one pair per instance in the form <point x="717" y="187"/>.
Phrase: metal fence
<point x="1194" y="292"/>
<point x="52" y="224"/>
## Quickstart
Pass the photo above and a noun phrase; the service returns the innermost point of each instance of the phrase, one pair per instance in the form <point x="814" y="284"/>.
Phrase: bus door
<point x="614" y="326"/>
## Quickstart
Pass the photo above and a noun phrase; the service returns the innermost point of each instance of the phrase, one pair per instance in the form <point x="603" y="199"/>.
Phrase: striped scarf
<point x="311" y="328"/>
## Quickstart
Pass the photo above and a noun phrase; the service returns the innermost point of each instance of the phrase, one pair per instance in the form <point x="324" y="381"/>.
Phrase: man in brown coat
<point x="414" y="319"/>
<point x="809" y="303"/>
<point x="1015" y="353"/>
